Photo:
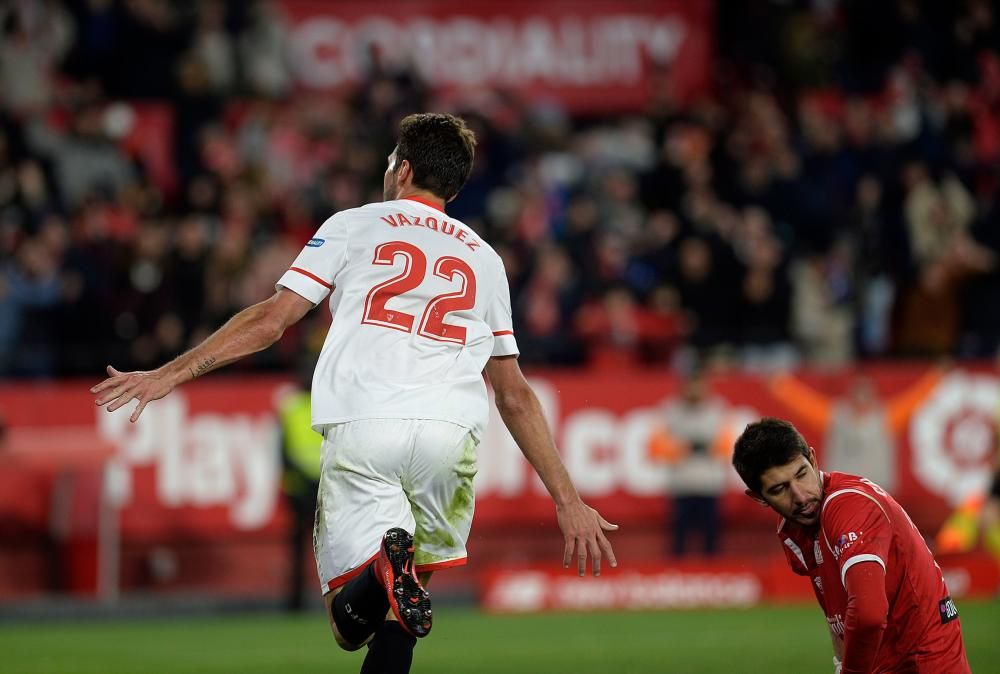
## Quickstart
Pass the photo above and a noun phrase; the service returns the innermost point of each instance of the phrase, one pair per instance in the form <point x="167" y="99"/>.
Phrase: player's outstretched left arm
<point x="583" y="527"/>
<point x="251" y="330"/>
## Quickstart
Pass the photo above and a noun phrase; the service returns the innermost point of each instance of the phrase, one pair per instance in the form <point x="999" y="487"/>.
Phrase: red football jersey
<point x="860" y="522"/>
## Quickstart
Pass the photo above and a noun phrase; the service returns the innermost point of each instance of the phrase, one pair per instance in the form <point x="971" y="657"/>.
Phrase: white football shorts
<point x="383" y="473"/>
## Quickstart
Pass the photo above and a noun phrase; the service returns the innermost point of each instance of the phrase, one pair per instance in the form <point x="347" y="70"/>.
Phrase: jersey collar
<point x="425" y="202"/>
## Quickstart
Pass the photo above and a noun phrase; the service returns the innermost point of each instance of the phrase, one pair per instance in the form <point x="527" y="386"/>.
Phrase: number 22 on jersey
<point x="431" y="323"/>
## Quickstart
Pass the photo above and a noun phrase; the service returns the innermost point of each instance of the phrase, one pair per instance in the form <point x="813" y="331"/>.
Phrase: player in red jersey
<point x="884" y="597"/>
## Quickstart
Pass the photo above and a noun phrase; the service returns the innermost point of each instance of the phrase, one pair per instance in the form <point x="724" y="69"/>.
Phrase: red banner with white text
<point x="937" y="428"/>
<point x="587" y="54"/>
<point x="722" y="583"/>
<point x="205" y="459"/>
<point x="201" y="469"/>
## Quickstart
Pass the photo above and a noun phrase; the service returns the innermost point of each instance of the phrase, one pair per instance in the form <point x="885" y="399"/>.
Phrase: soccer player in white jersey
<point x="421" y="310"/>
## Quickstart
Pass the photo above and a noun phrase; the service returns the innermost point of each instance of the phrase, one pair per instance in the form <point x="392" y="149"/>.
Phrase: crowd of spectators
<point x="833" y="198"/>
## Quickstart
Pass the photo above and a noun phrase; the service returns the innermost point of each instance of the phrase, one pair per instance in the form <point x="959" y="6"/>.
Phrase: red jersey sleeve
<point x="865" y="622"/>
<point x="855" y="528"/>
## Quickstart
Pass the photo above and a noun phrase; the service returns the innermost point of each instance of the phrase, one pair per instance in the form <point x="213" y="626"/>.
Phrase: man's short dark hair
<point x="440" y="149"/>
<point x="765" y="444"/>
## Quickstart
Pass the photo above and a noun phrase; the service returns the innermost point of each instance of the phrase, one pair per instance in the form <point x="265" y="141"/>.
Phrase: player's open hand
<point x="583" y="528"/>
<point x="121" y="387"/>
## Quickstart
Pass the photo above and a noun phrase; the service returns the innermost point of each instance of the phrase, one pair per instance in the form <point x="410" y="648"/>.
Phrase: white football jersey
<point x="420" y="303"/>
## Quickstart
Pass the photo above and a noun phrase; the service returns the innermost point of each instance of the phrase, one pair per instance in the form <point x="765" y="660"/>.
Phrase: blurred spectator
<point x="707" y="291"/>
<point x="873" y="268"/>
<point x="147" y="39"/>
<point x="301" y="449"/>
<point x="86" y="161"/>
<point x="860" y="428"/>
<point x="835" y="198"/>
<point x="822" y="316"/>
<point x="764" y="298"/>
<point x="545" y="311"/>
<point x="858" y="440"/>
<point x="619" y="333"/>
<point x="29" y="290"/>
<point x="938" y="213"/>
<point x="990" y="522"/>
<point x="696" y="450"/>
<point x="196" y="110"/>
<point x="36" y="35"/>
<point x="980" y="326"/>
<point x="263" y="49"/>
<point x="213" y="46"/>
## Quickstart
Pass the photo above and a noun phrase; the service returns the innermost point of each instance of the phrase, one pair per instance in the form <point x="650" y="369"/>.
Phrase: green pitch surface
<point x="785" y="639"/>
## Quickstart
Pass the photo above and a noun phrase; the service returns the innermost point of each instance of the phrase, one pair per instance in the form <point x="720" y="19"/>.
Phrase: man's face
<point x="794" y="490"/>
<point x="390" y="181"/>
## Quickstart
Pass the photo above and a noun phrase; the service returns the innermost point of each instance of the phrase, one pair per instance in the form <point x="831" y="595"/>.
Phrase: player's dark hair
<point x="440" y="149"/>
<point x="765" y="444"/>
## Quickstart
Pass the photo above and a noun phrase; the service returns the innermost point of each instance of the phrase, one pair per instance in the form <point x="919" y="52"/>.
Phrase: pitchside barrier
<point x="188" y="499"/>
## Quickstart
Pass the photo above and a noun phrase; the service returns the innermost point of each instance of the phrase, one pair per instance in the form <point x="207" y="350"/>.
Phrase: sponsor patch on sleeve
<point x="948" y="610"/>
<point x="315" y="243"/>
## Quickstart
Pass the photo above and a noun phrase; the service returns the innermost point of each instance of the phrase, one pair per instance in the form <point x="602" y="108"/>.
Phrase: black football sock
<point x="360" y="607"/>
<point x="390" y="652"/>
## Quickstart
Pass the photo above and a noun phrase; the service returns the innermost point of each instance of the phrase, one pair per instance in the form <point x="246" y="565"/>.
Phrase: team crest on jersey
<point x="818" y="554"/>
<point x="315" y="243"/>
<point x="819" y="583"/>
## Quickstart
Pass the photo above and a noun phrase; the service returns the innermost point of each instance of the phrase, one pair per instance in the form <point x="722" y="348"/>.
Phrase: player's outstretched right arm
<point x="583" y="527"/>
<point x="253" y="329"/>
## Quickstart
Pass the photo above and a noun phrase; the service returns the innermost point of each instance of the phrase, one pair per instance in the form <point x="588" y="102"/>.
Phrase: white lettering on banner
<point x="531" y="591"/>
<point x="211" y="471"/>
<point x="604" y="452"/>
<point x="637" y="475"/>
<point x="502" y="469"/>
<point x="200" y="459"/>
<point x="608" y="50"/>
<point x="520" y="592"/>
<point x="589" y="444"/>
<point x="952" y="436"/>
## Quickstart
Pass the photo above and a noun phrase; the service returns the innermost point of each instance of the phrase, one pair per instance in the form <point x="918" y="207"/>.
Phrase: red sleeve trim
<point x="315" y="278"/>
<point x="501" y="333"/>
<point x="854" y="560"/>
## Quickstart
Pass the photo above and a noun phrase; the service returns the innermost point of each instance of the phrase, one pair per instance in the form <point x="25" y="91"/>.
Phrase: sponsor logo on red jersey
<point x="844" y="542"/>
<point x="948" y="610"/>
